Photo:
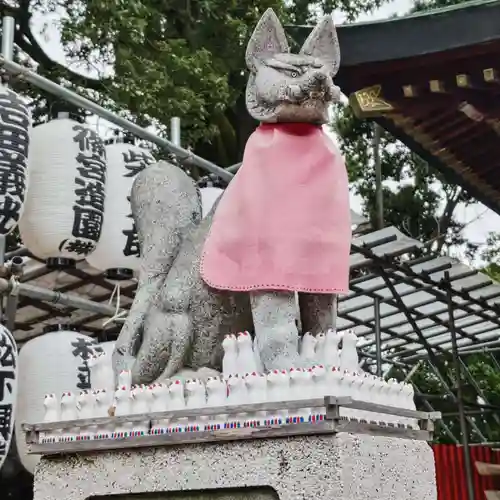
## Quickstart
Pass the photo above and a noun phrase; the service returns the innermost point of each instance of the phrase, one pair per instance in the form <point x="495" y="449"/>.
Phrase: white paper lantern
<point x="107" y="348"/>
<point x="8" y="390"/>
<point x="117" y="252"/>
<point x="52" y="363"/>
<point x="63" y="214"/>
<point x="209" y="195"/>
<point x="15" y="126"/>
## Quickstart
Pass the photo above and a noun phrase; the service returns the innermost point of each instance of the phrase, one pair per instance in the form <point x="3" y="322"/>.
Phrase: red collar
<point x="291" y="128"/>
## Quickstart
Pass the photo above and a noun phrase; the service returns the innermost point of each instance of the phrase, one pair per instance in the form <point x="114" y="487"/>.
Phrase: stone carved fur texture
<point x="285" y="87"/>
<point x="176" y="321"/>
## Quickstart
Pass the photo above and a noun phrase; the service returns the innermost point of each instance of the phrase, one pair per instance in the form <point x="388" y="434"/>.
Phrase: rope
<point x="14" y="286"/>
<point x="118" y="314"/>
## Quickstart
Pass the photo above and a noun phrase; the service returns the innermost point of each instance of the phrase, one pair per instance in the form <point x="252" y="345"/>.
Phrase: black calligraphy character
<point x="132" y="244"/>
<point x="7" y="358"/>
<point x="9" y="213"/>
<point x="135" y="161"/>
<point x="5" y="427"/>
<point x="84" y="377"/>
<point x="13" y="136"/>
<point x="12" y="182"/>
<point x="91" y="168"/>
<point x="88" y="141"/>
<point x="87" y="223"/>
<point x="92" y="193"/>
<point x="79" y="247"/>
<point x="83" y="348"/>
<point x="5" y="377"/>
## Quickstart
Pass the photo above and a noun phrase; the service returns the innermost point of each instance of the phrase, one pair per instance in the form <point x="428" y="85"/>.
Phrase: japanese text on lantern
<point x="83" y="349"/>
<point x="135" y="162"/>
<point x="132" y="242"/>
<point x="14" y="126"/>
<point x="8" y="362"/>
<point x="89" y="192"/>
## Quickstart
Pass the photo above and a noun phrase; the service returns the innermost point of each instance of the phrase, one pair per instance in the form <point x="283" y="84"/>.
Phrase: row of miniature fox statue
<point x="241" y="354"/>
<point x="329" y="372"/>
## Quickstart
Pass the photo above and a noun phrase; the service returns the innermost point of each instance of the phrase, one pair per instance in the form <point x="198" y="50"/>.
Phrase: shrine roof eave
<point x="476" y="191"/>
<point x="414" y="51"/>
<point x="429" y="32"/>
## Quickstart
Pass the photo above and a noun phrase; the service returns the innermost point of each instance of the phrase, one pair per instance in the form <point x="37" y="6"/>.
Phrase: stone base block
<point x="336" y="467"/>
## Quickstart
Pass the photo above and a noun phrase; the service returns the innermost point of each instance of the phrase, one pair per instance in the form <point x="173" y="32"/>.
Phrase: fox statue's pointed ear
<point x="267" y="39"/>
<point x="323" y="43"/>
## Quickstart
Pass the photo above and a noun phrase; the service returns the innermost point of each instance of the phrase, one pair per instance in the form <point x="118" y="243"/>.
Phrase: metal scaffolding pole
<point x="66" y="299"/>
<point x="368" y="355"/>
<point x="432" y="358"/>
<point x="484" y="348"/>
<point x="379" y="190"/>
<point x="429" y="407"/>
<point x="469" y="473"/>
<point x="184" y="156"/>
<point x="412" y="372"/>
<point x="404" y="274"/>
<point x="378" y="335"/>
<point x="8" y="28"/>
<point x="474" y="384"/>
<point x="494" y="360"/>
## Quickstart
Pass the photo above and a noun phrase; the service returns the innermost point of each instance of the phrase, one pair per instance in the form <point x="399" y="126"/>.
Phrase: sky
<point x="479" y="220"/>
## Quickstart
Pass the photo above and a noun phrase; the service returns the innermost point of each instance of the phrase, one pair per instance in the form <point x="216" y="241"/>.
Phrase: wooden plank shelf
<point x="329" y="405"/>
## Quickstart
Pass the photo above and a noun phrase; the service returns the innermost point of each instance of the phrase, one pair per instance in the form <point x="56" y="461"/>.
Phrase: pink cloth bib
<point x="284" y="221"/>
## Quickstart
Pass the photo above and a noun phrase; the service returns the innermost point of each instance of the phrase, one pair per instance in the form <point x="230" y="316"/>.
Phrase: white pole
<point x="8" y="27"/>
<point x="175" y="131"/>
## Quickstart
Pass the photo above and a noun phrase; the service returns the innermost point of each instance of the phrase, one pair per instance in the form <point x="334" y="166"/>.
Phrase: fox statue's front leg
<point x="316" y="312"/>
<point x="276" y="334"/>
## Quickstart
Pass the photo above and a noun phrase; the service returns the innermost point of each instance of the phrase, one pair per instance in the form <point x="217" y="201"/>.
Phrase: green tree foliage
<point x="491" y="256"/>
<point x="165" y="58"/>
<point x="421" y="5"/>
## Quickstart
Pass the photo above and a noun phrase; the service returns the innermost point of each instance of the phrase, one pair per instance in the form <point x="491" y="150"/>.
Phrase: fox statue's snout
<point x="285" y="87"/>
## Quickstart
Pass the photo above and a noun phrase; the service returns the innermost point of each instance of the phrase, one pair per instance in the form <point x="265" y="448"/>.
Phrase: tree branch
<point x="27" y="42"/>
<point x="447" y="215"/>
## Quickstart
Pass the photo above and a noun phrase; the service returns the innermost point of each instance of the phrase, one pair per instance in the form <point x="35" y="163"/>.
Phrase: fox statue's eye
<point x="293" y="74"/>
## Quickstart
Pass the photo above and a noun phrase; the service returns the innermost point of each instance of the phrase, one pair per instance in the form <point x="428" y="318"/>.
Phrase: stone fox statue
<point x="282" y="226"/>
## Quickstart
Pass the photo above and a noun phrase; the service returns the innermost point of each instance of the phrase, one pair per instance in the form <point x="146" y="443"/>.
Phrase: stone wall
<point x="336" y="467"/>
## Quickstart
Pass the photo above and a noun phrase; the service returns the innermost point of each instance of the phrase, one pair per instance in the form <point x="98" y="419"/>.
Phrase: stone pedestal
<point x="333" y="467"/>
